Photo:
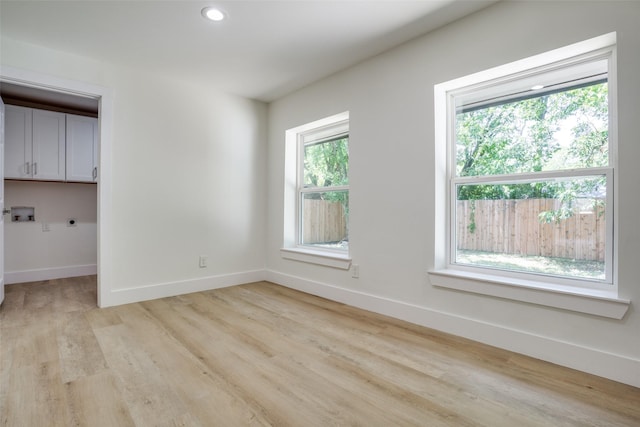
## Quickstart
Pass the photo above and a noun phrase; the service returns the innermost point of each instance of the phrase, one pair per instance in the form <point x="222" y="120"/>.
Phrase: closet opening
<point x="51" y="183"/>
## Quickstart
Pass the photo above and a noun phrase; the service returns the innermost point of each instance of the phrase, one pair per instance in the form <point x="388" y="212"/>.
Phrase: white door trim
<point x="2" y="282"/>
<point x="105" y="115"/>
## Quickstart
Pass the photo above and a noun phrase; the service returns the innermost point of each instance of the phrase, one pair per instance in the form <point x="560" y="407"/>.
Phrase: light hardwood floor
<point x="261" y="354"/>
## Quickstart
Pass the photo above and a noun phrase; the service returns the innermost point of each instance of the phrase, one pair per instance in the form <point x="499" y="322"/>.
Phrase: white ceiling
<point x="264" y="50"/>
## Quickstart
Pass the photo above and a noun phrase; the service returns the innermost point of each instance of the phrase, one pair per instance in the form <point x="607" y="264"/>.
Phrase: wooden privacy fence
<point x="323" y="221"/>
<point x="513" y="227"/>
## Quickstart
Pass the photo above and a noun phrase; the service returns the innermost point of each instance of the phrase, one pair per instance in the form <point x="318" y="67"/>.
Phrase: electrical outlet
<point x="355" y="271"/>
<point x="45" y="226"/>
<point x="202" y="262"/>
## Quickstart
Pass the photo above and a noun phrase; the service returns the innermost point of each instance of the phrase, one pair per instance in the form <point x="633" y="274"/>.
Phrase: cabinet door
<point x="82" y="148"/>
<point x="17" y="137"/>
<point x="48" y="145"/>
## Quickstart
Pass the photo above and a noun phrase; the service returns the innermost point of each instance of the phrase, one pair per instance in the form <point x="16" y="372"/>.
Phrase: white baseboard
<point x="169" y="289"/>
<point x="612" y="366"/>
<point x="24" y="276"/>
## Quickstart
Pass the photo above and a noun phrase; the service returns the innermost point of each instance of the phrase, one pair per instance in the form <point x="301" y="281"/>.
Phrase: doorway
<point x="79" y="96"/>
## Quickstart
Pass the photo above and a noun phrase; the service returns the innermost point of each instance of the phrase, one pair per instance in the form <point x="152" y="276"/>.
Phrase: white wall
<point x="34" y="254"/>
<point x="390" y="100"/>
<point x="187" y="177"/>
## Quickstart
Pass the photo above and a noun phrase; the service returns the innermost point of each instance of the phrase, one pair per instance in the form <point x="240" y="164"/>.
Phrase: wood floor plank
<point x="263" y="355"/>
<point x="204" y="393"/>
<point x="529" y="386"/>
<point x="149" y="397"/>
<point x="359" y="361"/>
<point x="41" y="400"/>
<point x="33" y="343"/>
<point x="103" y="318"/>
<point x="242" y="367"/>
<point x="298" y="372"/>
<point x="96" y="400"/>
<point x="13" y="304"/>
<point x="78" y="349"/>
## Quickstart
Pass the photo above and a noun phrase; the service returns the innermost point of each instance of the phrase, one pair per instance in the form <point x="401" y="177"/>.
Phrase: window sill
<point x="591" y="301"/>
<point x="328" y="259"/>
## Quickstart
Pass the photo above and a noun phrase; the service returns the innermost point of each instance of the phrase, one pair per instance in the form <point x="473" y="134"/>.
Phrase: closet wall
<point x="48" y="247"/>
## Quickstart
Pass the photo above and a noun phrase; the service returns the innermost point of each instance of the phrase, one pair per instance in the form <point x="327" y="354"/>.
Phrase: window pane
<point x="326" y="164"/>
<point x="551" y="227"/>
<point x="325" y="219"/>
<point x="556" y="130"/>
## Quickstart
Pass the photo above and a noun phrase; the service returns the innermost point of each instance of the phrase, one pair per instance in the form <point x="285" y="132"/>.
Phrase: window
<point x="531" y="179"/>
<point x="529" y="158"/>
<point x="323" y="189"/>
<point x="318" y="224"/>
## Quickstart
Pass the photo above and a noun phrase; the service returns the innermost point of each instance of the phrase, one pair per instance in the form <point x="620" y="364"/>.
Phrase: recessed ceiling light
<point x="213" y="14"/>
<point x="537" y="87"/>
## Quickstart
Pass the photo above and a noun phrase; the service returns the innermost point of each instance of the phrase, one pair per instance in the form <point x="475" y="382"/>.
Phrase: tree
<point x="326" y="164"/>
<point x="562" y="130"/>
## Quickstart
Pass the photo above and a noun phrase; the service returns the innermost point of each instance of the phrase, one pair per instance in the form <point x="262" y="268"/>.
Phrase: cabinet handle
<point x="27" y="169"/>
<point x="35" y="168"/>
<point x="94" y="174"/>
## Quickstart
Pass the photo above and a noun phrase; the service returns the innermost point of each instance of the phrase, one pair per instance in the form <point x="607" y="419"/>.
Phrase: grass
<point x="534" y="264"/>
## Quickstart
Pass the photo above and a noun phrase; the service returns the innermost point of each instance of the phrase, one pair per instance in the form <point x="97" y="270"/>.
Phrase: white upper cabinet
<point x="82" y="148"/>
<point x="34" y="144"/>
<point x="50" y="146"/>
<point x="18" y="142"/>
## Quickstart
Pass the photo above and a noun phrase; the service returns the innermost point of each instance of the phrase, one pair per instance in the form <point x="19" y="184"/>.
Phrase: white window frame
<point x="295" y="140"/>
<point x="598" y="298"/>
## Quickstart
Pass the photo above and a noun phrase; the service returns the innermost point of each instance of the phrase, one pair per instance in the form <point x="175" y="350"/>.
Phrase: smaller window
<point x="323" y="187"/>
<point x="316" y="216"/>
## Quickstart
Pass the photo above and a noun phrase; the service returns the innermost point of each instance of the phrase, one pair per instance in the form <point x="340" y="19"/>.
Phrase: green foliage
<point x="556" y="131"/>
<point x="561" y="130"/>
<point x="588" y="192"/>
<point x="472" y="217"/>
<point x="326" y="164"/>
<point x="565" y="211"/>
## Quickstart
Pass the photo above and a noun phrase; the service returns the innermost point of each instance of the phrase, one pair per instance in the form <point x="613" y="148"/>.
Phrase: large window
<point x="528" y="171"/>
<point x="532" y="181"/>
